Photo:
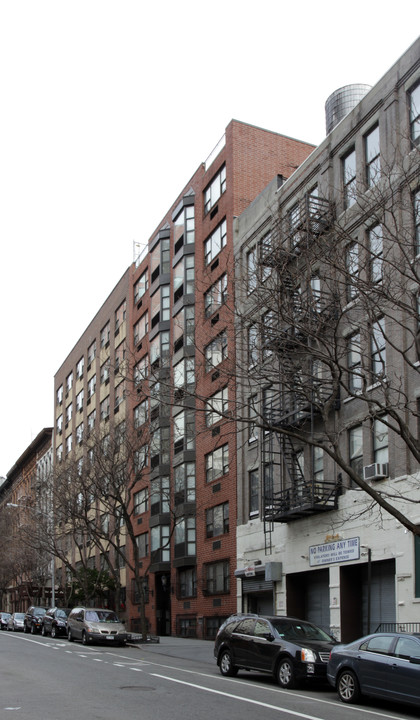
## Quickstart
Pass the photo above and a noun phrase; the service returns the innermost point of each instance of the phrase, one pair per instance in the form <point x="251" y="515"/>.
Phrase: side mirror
<point x="269" y="636"/>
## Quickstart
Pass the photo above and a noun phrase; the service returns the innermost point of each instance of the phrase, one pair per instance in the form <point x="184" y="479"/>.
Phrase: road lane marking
<point x="268" y="705"/>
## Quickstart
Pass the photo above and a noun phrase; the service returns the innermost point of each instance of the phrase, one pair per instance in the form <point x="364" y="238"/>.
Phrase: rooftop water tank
<point x="341" y="101"/>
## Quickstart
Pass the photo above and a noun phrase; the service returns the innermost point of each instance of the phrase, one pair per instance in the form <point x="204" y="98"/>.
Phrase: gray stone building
<point x="327" y="299"/>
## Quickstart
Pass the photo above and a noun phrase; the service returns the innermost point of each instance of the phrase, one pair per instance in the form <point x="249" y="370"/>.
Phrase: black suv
<point x="33" y="619"/>
<point x="291" y="650"/>
<point x="54" y="622"/>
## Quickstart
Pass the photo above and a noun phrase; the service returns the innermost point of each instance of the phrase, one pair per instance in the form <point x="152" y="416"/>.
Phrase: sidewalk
<point x="186" y="648"/>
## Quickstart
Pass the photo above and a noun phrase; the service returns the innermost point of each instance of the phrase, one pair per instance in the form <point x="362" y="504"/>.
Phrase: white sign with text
<point x="334" y="552"/>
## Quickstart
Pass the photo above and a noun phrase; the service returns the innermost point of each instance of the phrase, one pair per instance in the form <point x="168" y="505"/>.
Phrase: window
<point x="187" y="583"/>
<point x="141" y="286"/>
<point x="142" y="542"/>
<point x="105" y="372"/>
<point x="349" y="179"/>
<point x="120" y="315"/>
<point x="119" y="396"/>
<point x="69" y="443"/>
<point x="69" y="412"/>
<point x="352" y="270"/>
<point x="293" y="222"/>
<point x="184" y="431"/>
<point x="105" y="333"/>
<point x="217" y="578"/>
<point x="80" y="367"/>
<point x="60" y="395"/>
<point x="217" y="463"/>
<point x="376" y="250"/>
<point x="216" y="351"/>
<point x="253" y="492"/>
<point x="184" y="372"/>
<point x="372" y="156"/>
<point x="269" y="332"/>
<point x="141" y="328"/>
<point x="217" y="520"/>
<point x="91" y="352"/>
<point x="141" y="501"/>
<point x="104" y="408"/>
<point x="159" y="447"/>
<point x="252" y="346"/>
<point x="252" y="416"/>
<point x="215" y="296"/>
<point x="119" y="356"/>
<point x="184" y="479"/>
<point x="251" y="270"/>
<point x="141" y="413"/>
<point x="160" y="495"/>
<point x="315" y="292"/>
<point x="184" y="328"/>
<point x="414" y="97"/>
<point x="141" y="370"/>
<point x="417" y="222"/>
<point x="217" y="407"/>
<point x="184" y="228"/>
<point x="380" y="440"/>
<point x="91" y="386"/>
<point x="69" y="382"/>
<point x="159" y="543"/>
<point x="214" y="190"/>
<point x="60" y="453"/>
<point x="79" y="434"/>
<point x="185" y="536"/>
<point x="318" y="465"/>
<point x="91" y="419"/>
<point x="140" y="459"/>
<point x="159" y="349"/>
<point x="59" y="424"/>
<point x="215" y="242"/>
<point x="160" y="259"/>
<point x="378" y="349"/>
<point x="354" y="363"/>
<point x="79" y="401"/>
<point x="183" y="275"/>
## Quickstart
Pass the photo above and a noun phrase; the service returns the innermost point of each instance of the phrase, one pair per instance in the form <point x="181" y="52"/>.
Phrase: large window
<point x="215" y="242"/>
<point x="184" y="372"/>
<point x="141" y="286"/>
<point x="91" y="386"/>
<point x="159" y="349"/>
<point x="217" y="407"/>
<point x="184" y="431"/>
<point x="141" y="413"/>
<point x="91" y="353"/>
<point x="141" y="501"/>
<point x="372" y="156"/>
<point x="252" y="343"/>
<point x="185" y="537"/>
<point x="254" y="492"/>
<point x="79" y="401"/>
<point x="141" y="328"/>
<point x="380" y="440"/>
<point x="354" y="363"/>
<point x="160" y="305"/>
<point x="217" y="578"/>
<point x="159" y="543"/>
<point x="349" y="178"/>
<point x="184" y="228"/>
<point x="352" y="270"/>
<point x="215" y="296"/>
<point x="184" y="277"/>
<point x="184" y="479"/>
<point x="214" y="190"/>
<point x="184" y="327"/>
<point x="217" y="463"/>
<point x="414" y="97"/>
<point x="217" y="520"/>
<point x="120" y="315"/>
<point x="356" y="449"/>
<point x="378" y="349"/>
<point x="142" y="542"/>
<point x="160" y="259"/>
<point x="376" y="250"/>
<point x="69" y="382"/>
<point x="160" y="495"/>
<point x="105" y="333"/>
<point x="80" y="368"/>
<point x="251" y="269"/>
<point x="216" y="351"/>
<point x="187" y="583"/>
<point x="159" y="447"/>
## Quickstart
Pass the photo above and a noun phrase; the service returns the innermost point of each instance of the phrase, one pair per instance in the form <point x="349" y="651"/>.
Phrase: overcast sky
<point x="107" y="109"/>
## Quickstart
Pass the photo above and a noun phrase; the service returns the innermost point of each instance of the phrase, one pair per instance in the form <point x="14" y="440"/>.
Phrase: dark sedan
<point x="383" y="665"/>
<point x="54" y="622"/>
<point x="4" y="619"/>
<point x="291" y="650"/>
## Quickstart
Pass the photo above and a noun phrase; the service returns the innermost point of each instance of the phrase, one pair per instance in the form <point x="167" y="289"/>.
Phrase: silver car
<point x="95" y="625"/>
<point x="15" y="622"/>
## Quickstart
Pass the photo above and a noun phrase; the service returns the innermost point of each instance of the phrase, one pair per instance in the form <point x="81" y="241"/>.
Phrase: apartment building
<point x="328" y="371"/>
<point x="156" y="362"/>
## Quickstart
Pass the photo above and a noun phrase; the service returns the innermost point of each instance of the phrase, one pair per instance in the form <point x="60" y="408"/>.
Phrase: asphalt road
<point x="42" y="679"/>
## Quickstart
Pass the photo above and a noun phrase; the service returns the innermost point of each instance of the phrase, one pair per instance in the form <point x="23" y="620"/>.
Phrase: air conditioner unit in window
<point x="376" y="471"/>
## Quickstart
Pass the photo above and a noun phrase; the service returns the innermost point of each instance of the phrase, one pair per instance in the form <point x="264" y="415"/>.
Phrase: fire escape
<point x="292" y="490"/>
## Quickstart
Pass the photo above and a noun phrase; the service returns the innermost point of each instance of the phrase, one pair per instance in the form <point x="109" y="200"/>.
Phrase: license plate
<point x="109" y="637"/>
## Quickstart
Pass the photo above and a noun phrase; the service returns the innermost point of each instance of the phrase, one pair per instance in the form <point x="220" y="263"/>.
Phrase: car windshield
<point x="19" y="616"/>
<point x="39" y="611"/>
<point x="101" y="616"/>
<point x="63" y="613"/>
<point x="298" y="631"/>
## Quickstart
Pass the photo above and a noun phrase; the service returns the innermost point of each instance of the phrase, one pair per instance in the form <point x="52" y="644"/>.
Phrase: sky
<point x="106" y="110"/>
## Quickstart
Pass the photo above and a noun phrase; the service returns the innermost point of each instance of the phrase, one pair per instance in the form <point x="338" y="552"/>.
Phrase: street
<point x="45" y="679"/>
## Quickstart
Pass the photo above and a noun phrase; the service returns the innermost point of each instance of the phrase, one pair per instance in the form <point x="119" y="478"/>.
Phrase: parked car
<point x="95" y="625"/>
<point x="33" y="619"/>
<point x="4" y="617"/>
<point x="54" y="622"/>
<point x="15" y="621"/>
<point x="291" y="650"/>
<point x="382" y="665"/>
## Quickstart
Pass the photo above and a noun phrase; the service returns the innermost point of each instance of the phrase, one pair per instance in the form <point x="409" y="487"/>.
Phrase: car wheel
<point x="84" y="638"/>
<point x="348" y="687"/>
<point x="43" y="631"/>
<point x="25" y="629"/>
<point x="286" y="673"/>
<point x="226" y="665"/>
<point x="53" y="632"/>
<point x="69" y="636"/>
